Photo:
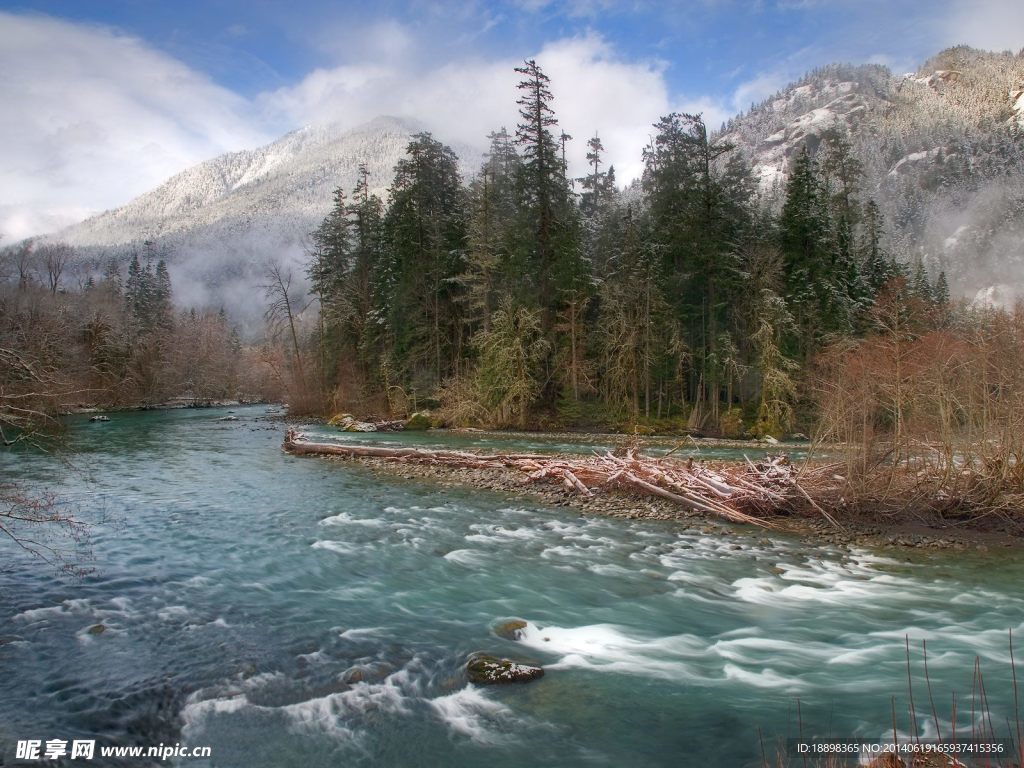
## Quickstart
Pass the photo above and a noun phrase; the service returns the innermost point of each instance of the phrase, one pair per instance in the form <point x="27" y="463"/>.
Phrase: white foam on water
<point x="257" y="585"/>
<point x="849" y="583"/>
<point x="334" y="713"/>
<point x="66" y="608"/>
<point x="499" y="534"/>
<point x="766" y="678"/>
<point x="331" y="714"/>
<point x="469" y="558"/>
<point x="344" y="518"/>
<point x="196" y="712"/>
<point x="361" y="633"/>
<point x="856" y="656"/>
<point x="697" y="579"/>
<point x="172" y="612"/>
<point x="754" y="650"/>
<point x="610" y="569"/>
<point x="967" y="638"/>
<point x="86" y="637"/>
<point x="564" y="550"/>
<point x="339" y="547"/>
<point x="122" y="604"/>
<point x="564" y="528"/>
<point x="219" y="622"/>
<point x="607" y="647"/>
<point x="469" y="713"/>
<point x="257" y="681"/>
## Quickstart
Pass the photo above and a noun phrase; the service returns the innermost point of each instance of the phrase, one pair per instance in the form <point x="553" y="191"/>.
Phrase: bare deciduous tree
<point x="54" y="258"/>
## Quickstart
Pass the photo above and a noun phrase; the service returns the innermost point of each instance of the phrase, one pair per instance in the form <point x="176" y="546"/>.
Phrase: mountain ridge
<point x="941" y="151"/>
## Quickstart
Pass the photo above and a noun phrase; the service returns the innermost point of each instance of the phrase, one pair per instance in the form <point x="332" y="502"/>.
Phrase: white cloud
<point x="462" y="101"/>
<point x="92" y="118"/>
<point x="994" y="25"/>
<point x="757" y="89"/>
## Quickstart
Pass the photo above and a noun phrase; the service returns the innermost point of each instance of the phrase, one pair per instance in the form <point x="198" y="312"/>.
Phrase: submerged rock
<point x="99" y="418"/>
<point x="96" y="629"/>
<point x="510" y="630"/>
<point x="490" y="670"/>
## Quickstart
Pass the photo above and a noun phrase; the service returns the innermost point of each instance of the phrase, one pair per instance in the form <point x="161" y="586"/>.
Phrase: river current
<point x="304" y="612"/>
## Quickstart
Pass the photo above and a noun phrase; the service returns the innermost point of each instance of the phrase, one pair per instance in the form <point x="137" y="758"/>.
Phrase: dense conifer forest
<point x="519" y="296"/>
<point x="524" y="297"/>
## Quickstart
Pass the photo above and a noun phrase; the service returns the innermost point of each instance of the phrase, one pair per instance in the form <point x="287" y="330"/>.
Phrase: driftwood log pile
<point x="742" y="493"/>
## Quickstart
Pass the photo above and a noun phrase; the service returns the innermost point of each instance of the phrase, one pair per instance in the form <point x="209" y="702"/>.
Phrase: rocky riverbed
<point x="864" y="530"/>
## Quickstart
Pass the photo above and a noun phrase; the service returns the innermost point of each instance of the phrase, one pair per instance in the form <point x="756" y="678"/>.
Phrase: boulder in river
<point x="419" y="421"/>
<point x="96" y="629"/>
<point x="490" y="670"/>
<point x="348" y="423"/>
<point x="510" y="630"/>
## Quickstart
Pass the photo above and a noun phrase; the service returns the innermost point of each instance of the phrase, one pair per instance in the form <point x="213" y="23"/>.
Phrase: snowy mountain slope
<point x="219" y="222"/>
<point x="291" y="180"/>
<point x="942" y="151"/>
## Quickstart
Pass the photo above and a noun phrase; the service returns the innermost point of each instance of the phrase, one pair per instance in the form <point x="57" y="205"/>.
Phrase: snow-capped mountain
<point x="219" y="222"/>
<point x="942" y="151"/>
<point x="287" y="183"/>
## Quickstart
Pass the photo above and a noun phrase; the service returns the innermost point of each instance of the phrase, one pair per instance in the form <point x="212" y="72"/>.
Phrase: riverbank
<point x="860" y="529"/>
<point x="175" y="403"/>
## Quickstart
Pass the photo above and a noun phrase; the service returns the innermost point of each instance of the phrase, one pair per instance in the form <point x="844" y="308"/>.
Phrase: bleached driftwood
<point x="743" y="493"/>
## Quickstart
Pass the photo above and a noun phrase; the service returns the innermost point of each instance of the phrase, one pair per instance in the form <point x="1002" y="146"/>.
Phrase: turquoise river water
<point x="304" y="612"/>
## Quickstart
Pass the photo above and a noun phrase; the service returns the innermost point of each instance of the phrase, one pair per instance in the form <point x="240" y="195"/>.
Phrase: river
<point x="304" y="612"/>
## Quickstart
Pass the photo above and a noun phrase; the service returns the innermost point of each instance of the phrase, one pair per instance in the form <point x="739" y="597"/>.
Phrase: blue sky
<point x="106" y="99"/>
<point x="707" y="47"/>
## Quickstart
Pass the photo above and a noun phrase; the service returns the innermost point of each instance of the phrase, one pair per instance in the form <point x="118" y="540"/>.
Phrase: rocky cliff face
<point x="942" y="151"/>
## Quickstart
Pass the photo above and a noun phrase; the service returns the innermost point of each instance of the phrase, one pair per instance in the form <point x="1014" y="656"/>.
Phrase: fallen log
<point x="733" y="495"/>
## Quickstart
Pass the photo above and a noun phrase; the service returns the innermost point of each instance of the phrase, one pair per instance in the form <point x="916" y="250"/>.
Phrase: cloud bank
<point x="461" y="101"/>
<point x="92" y="118"/>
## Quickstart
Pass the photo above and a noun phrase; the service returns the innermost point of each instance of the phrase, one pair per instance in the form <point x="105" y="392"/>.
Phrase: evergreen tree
<point x="424" y="236"/>
<point x="328" y="273"/>
<point x="940" y="293"/>
<point x="638" y="342"/>
<point x="366" y="214"/>
<point x="699" y="211"/>
<point x="823" y="286"/>
<point x="920" y="286"/>
<point x="163" y="308"/>
<point x="543" y="172"/>
<point x="331" y="253"/>
<point x="493" y="265"/>
<point x="555" y="254"/>
<point x="597" y="184"/>
<point x="877" y="267"/>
